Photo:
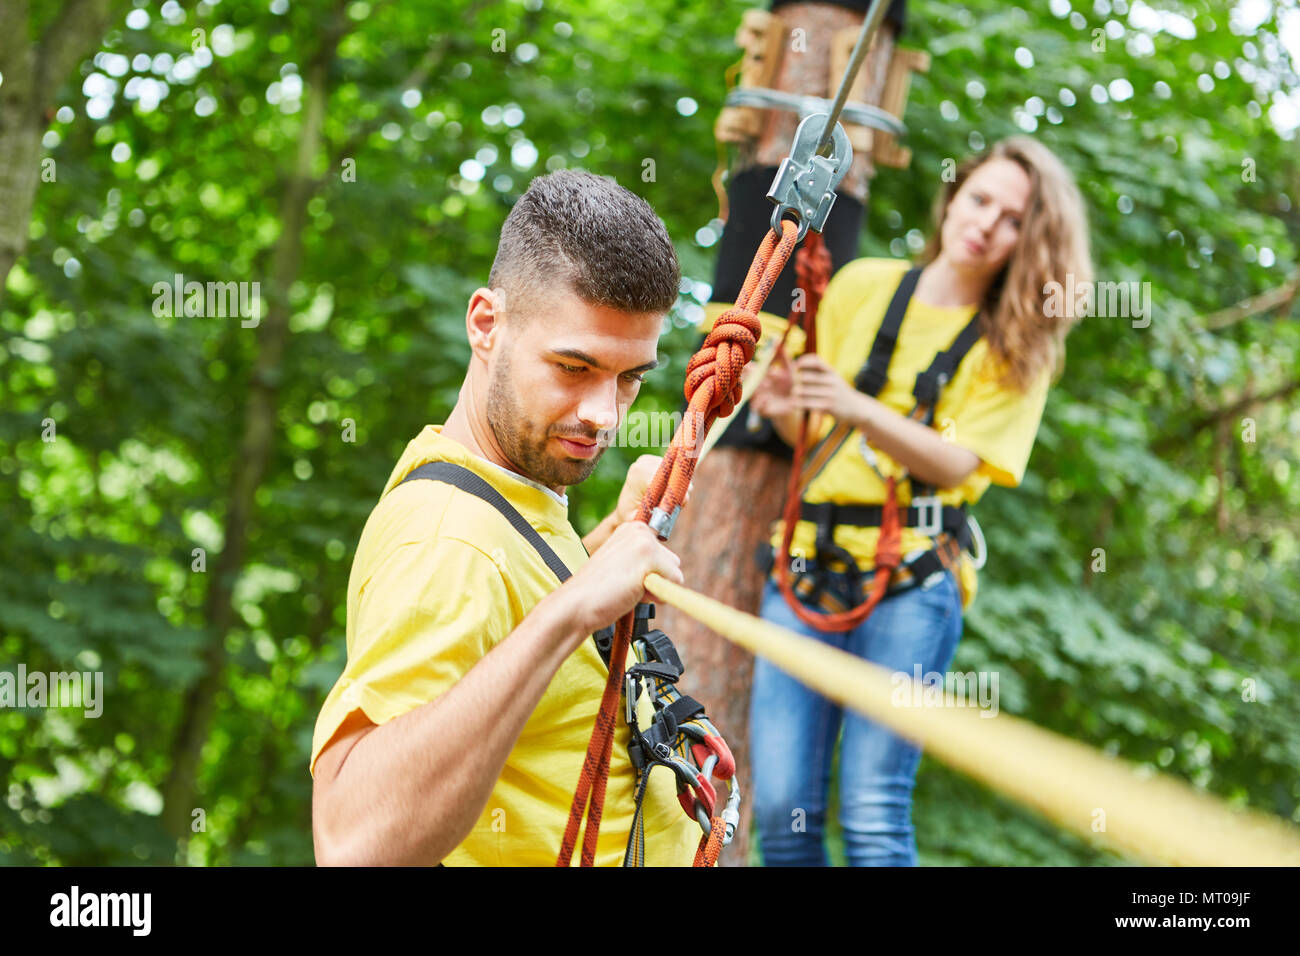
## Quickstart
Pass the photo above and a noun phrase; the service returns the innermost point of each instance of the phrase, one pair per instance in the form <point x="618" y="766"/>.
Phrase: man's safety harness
<point x="679" y="735"/>
<point x="950" y="524"/>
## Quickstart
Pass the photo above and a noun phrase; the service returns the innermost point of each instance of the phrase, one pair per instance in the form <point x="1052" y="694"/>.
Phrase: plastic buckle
<point x="661" y="646"/>
<point x="641" y="619"/>
<point x="929" y="517"/>
<point x="805" y="183"/>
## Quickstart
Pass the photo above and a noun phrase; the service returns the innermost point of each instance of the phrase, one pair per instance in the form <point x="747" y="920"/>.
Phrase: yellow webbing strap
<point x="1152" y="817"/>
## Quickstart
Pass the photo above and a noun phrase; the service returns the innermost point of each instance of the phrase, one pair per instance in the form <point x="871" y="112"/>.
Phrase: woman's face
<point x="984" y="217"/>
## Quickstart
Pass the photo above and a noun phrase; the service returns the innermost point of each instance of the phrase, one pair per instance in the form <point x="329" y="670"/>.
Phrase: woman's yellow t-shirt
<point x="439" y="579"/>
<point x="974" y="411"/>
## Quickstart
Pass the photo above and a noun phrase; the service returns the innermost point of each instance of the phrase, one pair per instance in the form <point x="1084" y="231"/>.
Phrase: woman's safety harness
<point x="950" y="525"/>
<point x="680" y="736"/>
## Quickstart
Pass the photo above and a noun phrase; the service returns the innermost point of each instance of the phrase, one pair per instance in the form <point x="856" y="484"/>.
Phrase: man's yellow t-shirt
<point x="440" y="578"/>
<point x="975" y="410"/>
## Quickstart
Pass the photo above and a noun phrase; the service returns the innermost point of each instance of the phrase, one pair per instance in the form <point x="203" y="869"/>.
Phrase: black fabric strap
<point x="684" y="708"/>
<point x="930" y="382"/>
<point x="871" y="379"/>
<point x="926" y="565"/>
<point x="464" y="479"/>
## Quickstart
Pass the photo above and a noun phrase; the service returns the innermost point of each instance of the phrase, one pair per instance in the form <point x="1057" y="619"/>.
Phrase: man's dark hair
<point x="585" y="230"/>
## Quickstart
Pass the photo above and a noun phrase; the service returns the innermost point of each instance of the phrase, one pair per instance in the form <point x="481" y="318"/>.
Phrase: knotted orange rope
<point x="713" y="389"/>
<point x="813" y="268"/>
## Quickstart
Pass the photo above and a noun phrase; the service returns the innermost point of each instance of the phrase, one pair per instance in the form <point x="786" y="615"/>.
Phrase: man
<point x="458" y="727"/>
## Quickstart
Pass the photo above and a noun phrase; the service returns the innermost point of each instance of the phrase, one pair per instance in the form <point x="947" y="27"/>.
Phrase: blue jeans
<point x="793" y="732"/>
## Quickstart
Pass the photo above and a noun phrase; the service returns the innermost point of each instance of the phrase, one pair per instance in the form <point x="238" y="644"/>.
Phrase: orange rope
<point x="713" y="389"/>
<point x="710" y="846"/>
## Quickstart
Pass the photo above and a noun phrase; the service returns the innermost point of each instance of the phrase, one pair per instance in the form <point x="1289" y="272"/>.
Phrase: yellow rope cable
<point x="1155" y="817"/>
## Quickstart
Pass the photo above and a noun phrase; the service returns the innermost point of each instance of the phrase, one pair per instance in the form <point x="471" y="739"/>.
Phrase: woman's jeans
<point x="793" y="732"/>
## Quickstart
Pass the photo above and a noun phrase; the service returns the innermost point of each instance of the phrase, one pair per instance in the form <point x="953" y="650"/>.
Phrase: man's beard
<point x="524" y="442"/>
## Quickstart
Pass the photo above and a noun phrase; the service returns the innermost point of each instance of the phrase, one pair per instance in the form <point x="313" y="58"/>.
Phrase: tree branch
<point x="1212" y="418"/>
<point x="1283" y="297"/>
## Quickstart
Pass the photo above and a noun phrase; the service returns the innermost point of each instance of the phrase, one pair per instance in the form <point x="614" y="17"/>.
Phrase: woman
<point x="1011" y="221"/>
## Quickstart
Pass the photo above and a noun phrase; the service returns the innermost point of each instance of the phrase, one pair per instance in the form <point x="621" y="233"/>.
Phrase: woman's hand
<point x="773" y="397"/>
<point x="819" y="388"/>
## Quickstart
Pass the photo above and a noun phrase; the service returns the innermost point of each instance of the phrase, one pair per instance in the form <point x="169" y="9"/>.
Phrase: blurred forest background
<point x="357" y="159"/>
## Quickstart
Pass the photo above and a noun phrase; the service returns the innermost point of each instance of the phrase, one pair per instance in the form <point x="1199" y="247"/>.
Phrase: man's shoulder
<point x="442" y="519"/>
<point x="421" y="516"/>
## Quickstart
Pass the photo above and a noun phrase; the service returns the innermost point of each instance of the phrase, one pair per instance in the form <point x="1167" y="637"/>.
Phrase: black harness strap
<point x="931" y="382"/>
<point x="464" y="479"/>
<point x="874" y="373"/>
<point x="871" y="379"/>
<point x="666" y="663"/>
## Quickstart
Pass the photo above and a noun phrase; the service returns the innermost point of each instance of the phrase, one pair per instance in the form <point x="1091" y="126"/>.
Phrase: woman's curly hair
<point x="1053" y="244"/>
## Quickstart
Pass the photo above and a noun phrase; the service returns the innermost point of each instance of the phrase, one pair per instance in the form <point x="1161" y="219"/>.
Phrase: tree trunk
<point x="255" y="450"/>
<point x="33" y="74"/>
<point x="738" y="492"/>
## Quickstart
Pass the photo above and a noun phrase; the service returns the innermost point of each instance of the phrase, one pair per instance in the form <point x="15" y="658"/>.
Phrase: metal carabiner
<point x="805" y="182"/>
<point x="730" y="814"/>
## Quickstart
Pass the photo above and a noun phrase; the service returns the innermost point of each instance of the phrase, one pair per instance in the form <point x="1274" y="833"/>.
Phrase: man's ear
<point x="483" y="321"/>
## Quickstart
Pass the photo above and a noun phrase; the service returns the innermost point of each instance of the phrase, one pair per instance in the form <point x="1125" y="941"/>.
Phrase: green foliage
<point x="1140" y="453"/>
